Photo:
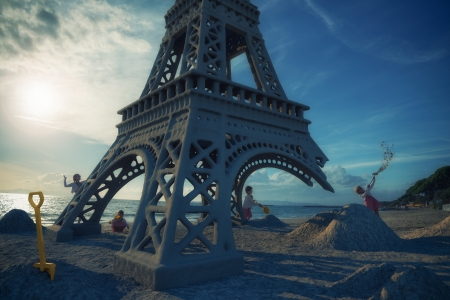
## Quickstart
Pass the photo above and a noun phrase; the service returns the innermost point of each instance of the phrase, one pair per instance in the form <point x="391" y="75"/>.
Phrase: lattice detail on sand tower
<point x="228" y="29"/>
<point x="199" y="177"/>
<point x="196" y="135"/>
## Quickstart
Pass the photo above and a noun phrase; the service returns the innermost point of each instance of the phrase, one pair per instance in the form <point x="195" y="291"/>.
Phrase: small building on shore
<point x="446" y="204"/>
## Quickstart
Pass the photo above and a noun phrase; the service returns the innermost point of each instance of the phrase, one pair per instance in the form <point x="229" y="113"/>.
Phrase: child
<point x="75" y="185"/>
<point x="118" y="224"/>
<point x="249" y="202"/>
<point x="369" y="200"/>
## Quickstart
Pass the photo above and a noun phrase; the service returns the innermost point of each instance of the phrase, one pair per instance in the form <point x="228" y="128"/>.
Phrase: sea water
<point x="53" y="206"/>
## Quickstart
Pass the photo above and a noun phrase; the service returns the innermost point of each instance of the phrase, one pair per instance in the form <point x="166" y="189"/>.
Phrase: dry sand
<point x="346" y="254"/>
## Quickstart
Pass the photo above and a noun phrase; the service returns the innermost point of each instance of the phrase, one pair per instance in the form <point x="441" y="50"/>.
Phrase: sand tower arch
<point x="247" y="155"/>
<point x="199" y="134"/>
<point x="90" y="202"/>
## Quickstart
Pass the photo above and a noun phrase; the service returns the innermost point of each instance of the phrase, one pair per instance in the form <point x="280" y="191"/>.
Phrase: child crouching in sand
<point x="369" y="201"/>
<point x="118" y="224"/>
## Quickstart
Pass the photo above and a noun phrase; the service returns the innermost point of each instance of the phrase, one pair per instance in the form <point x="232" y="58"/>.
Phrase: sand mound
<point x="314" y="226"/>
<point x="268" y="221"/>
<point x="353" y="228"/>
<point x="411" y="283"/>
<point x="385" y="281"/>
<point x="365" y="281"/>
<point x="440" y="229"/>
<point x="16" y="220"/>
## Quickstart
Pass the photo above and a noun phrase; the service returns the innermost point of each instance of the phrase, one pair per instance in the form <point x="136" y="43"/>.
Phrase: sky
<point x="370" y="71"/>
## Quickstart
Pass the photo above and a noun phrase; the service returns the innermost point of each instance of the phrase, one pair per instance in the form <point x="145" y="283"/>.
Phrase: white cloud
<point x="363" y="164"/>
<point x="259" y="177"/>
<point x="276" y="179"/>
<point x="35" y="120"/>
<point x="282" y="183"/>
<point x="95" y="56"/>
<point x="282" y="178"/>
<point x="337" y="175"/>
<point x="15" y="176"/>
<point x="38" y="36"/>
<point x="53" y="183"/>
<point x="310" y="81"/>
<point x="330" y="22"/>
<point x="268" y="5"/>
<point x="407" y="158"/>
<point x="52" y="179"/>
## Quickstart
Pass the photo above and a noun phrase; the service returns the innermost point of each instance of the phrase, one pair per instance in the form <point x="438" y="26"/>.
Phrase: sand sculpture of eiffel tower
<point x="196" y="135"/>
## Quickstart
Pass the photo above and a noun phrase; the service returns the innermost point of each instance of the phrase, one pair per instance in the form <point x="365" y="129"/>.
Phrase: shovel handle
<point x="41" y="199"/>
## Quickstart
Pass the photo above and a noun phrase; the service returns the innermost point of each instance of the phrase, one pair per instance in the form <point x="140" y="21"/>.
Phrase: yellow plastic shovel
<point x="266" y="209"/>
<point x="42" y="264"/>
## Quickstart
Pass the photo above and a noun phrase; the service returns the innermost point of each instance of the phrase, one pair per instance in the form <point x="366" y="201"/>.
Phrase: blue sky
<point x="371" y="71"/>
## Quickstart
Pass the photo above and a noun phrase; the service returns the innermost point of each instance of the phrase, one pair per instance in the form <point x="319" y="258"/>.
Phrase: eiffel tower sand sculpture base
<point x="196" y="135"/>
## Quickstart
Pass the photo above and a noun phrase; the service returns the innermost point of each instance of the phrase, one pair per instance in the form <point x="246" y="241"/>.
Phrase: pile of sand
<point x="268" y="221"/>
<point x="16" y="220"/>
<point x="440" y="229"/>
<point x="353" y="228"/>
<point x="385" y="281"/>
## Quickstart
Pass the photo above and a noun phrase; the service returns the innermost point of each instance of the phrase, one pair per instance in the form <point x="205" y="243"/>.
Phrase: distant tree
<point x="422" y="190"/>
<point x="440" y="179"/>
<point x="437" y="186"/>
<point x="444" y="195"/>
<point x="416" y="188"/>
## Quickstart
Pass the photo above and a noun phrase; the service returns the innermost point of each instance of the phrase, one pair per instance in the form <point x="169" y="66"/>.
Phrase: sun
<point x="38" y="99"/>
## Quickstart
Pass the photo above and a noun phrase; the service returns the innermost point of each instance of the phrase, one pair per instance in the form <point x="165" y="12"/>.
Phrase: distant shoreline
<point x="309" y="206"/>
<point x="324" y="206"/>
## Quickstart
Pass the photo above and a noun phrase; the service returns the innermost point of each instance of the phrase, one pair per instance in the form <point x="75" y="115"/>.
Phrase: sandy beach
<point x="284" y="259"/>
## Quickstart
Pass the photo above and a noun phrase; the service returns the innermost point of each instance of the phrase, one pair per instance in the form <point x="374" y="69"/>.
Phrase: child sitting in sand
<point x="369" y="201"/>
<point x="118" y="224"/>
<point x="249" y="202"/>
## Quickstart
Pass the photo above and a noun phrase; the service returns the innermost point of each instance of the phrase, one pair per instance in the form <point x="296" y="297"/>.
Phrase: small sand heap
<point x="385" y="281"/>
<point x="16" y="220"/>
<point x="353" y="228"/>
<point x="268" y="221"/>
<point x="440" y="229"/>
<point x="365" y="281"/>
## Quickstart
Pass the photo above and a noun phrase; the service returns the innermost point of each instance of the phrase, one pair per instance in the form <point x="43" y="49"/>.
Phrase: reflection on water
<point x="53" y="206"/>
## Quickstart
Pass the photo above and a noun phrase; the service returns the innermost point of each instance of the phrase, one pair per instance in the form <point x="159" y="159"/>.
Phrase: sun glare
<point x="38" y="100"/>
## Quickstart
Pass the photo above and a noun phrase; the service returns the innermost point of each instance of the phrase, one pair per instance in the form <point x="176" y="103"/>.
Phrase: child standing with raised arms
<point x="369" y="201"/>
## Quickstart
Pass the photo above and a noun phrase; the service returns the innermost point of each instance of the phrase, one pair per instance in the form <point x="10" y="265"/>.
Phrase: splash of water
<point x="387" y="156"/>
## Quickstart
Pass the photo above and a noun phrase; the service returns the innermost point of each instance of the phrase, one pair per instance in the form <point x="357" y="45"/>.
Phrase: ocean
<point x="54" y="205"/>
